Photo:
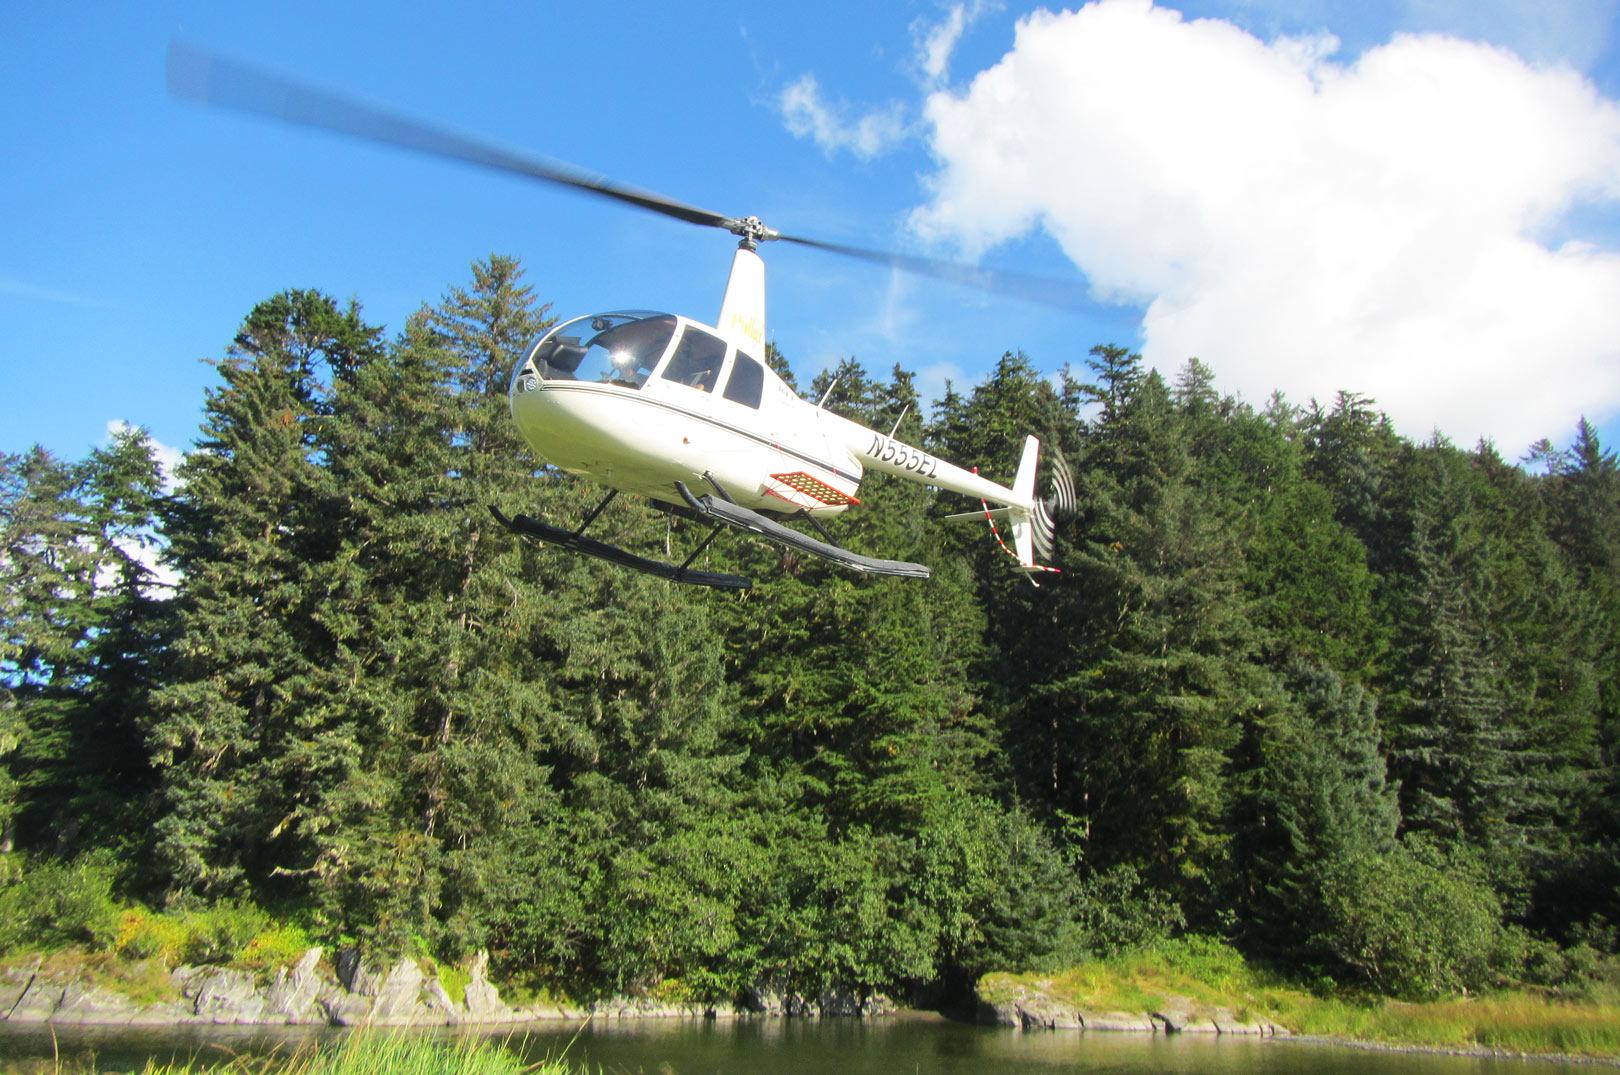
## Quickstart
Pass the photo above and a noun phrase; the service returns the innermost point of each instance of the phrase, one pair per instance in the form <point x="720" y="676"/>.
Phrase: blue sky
<point x="1414" y="199"/>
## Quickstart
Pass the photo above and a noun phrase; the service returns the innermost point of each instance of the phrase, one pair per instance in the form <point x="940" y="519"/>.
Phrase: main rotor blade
<point x="1046" y="291"/>
<point x="214" y="80"/>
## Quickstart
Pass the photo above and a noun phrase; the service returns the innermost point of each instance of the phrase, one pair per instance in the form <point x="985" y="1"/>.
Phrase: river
<point x="899" y="1045"/>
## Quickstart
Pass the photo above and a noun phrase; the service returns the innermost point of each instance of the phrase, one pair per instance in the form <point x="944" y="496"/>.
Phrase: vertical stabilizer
<point x="742" y="311"/>
<point x="1023" y="487"/>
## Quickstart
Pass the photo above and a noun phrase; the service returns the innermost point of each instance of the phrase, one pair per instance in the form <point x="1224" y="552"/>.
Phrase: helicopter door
<point x="697" y="360"/>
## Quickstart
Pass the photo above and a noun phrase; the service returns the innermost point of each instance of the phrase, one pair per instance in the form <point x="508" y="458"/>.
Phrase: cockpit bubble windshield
<point x="619" y="348"/>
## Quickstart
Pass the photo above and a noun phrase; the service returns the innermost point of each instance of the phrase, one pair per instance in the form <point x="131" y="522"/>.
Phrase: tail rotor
<point x="1058" y="506"/>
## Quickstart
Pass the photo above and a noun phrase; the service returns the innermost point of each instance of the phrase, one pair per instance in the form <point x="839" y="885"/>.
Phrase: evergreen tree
<point x="1312" y="797"/>
<point x="1129" y="727"/>
<point x="440" y="779"/>
<point x="81" y="624"/>
<point x="1491" y="742"/>
<point x="49" y="586"/>
<point x="255" y="522"/>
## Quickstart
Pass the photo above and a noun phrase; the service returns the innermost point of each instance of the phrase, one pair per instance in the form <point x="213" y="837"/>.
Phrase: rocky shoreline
<point x="354" y="993"/>
<point x="349" y="992"/>
<point x="1033" y="1010"/>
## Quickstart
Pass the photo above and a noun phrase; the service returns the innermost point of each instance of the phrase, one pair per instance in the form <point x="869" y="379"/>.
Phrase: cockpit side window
<point x="697" y="360"/>
<point x="747" y="381"/>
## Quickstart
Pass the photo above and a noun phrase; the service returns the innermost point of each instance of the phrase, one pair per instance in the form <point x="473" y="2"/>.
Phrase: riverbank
<point x="1191" y="987"/>
<point x="74" y="988"/>
<point x="1202" y="987"/>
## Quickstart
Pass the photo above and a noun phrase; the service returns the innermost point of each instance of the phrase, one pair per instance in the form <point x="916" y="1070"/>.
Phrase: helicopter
<point x="681" y="411"/>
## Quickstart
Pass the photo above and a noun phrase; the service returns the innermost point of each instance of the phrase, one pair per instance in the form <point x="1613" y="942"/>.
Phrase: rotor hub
<point x="752" y="230"/>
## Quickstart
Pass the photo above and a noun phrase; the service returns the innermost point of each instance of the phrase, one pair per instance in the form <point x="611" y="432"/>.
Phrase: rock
<point x="1043" y="1013"/>
<point x="343" y="1008"/>
<point x="844" y="1002"/>
<point x="999" y="1013"/>
<point x="440" y="1008"/>
<point x="42" y="997"/>
<point x="399" y="995"/>
<point x="765" y="1000"/>
<point x="1227" y="1023"/>
<point x="347" y="965"/>
<point x="774" y="998"/>
<point x="291" y="997"/>
<point x="540" y="1011"/>
<point x="225" y="997"/>
<point x="1181" y="1020"/>
<point x="1125" y="1022"/>
<point x="481" y="999"/>
<point x="13" y="984"/>
<point x="168" y="1013"/>
<point x="87" y="1005"/>
<point x="183" y="975"/>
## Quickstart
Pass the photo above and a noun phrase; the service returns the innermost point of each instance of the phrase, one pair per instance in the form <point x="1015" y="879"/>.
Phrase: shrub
<point x="277" y="946"/>
<point x="144" y="934"/>
<point x="1413" y="927"/>
<point x="219" y="934"/>
<point x="55" y="904"/>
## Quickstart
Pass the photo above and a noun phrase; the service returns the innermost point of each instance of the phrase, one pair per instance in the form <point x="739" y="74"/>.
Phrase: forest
<point x="1348" y="703"/>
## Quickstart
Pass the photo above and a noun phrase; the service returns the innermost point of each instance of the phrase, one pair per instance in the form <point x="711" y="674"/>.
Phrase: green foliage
<point x="50" y="905"/>
<point x="1349" y="702"/>
<point x="81" y="625"/>
<point x="1414" y="924"/>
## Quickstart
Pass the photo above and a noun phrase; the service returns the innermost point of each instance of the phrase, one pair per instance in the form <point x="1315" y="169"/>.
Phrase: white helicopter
<point x="659" y="404"/>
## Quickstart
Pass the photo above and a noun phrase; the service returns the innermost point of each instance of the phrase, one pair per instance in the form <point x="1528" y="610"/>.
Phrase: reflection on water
<point x="902" y="1045"/>
<point x="921" y="1045"/>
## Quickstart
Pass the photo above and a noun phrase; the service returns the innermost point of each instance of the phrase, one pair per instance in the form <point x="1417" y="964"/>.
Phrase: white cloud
<point x="872" y="132"/>
<point x="1303" y="224"/>
<point x="935" y="41"/>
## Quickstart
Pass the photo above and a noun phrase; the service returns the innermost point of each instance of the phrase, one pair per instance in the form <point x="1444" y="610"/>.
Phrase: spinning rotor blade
<point x="215" y="80"/>
<point x="1058" y="294"/>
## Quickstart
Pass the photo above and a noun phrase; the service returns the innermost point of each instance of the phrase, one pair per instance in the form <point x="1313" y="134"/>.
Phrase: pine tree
<point x="254" y="525"/>
<point x="49" y="585"/>
<point x="81" y="624"/>
<point x="1312" y="798"/>
<point x="440" y="726"/>
<point x="1125" y="730"/>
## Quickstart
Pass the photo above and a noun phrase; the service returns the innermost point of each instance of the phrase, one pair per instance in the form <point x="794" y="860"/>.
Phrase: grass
<point x="1512" y="1022"/>
<point x="1204" y="975"/>
<point x="371" y="1053"/>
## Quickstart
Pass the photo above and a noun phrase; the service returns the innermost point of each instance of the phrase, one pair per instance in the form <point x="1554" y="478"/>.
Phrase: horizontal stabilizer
<point x="977" y="516"/>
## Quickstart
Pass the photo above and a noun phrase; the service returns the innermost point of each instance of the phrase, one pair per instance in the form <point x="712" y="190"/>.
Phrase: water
<point x="902" y="1045"/>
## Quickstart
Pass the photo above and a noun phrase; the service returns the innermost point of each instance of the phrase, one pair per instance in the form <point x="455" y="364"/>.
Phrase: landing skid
<point x="576" y="541"/>
<point x="722" y="510"/>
